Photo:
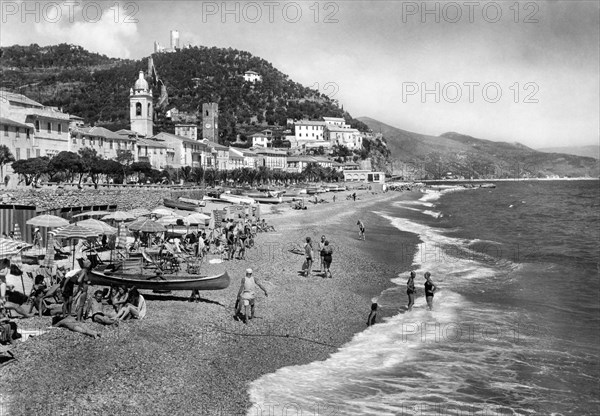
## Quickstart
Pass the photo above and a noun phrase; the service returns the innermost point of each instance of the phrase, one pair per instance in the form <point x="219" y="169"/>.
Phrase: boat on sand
<point x="160" y="282"/>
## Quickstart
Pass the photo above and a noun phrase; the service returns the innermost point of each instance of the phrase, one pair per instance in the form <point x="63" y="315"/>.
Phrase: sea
<point x="515" y="327"/>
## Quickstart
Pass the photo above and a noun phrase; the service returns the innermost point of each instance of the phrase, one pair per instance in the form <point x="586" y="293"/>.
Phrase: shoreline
<point x="194" y="348"/>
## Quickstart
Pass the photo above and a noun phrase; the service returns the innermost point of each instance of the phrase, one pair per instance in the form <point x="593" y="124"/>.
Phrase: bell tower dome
<point x="140" y="107"/>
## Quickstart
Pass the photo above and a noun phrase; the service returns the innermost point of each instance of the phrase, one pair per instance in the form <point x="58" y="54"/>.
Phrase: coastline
<point x="194" y="357"/>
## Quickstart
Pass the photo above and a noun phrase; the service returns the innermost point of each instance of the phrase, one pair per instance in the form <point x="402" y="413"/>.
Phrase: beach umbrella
<point x="139" y="212"/>
<point x="147" y="226"/>
<point x="100" y="226"/>
<point x="122" y="236"/>
<point x="119" y="216"/>
<point x="17" y="231"/>
<point x="92" y="214"/>
<point x="47" y="221"/>
<point x="74" y="231"/>
<point x="196" y="218"/>
<point x="169" y="220"/>
<point x="162" y="211"/>
<point x="10" y="248"/>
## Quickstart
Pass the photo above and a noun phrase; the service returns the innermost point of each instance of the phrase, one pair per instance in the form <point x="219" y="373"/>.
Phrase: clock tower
<point x="210" y="121"/>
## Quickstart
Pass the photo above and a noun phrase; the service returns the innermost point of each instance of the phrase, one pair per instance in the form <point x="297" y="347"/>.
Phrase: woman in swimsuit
<point x="430" y="288"/>
<point x="410" y="290"/>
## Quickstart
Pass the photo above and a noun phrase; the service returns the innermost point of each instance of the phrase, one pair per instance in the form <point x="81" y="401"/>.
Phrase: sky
<point x="510" y="71"/>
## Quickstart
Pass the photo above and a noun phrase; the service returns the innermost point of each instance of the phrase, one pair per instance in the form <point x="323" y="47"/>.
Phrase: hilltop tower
<point x="210" y="121"/>
<point x="174" y="40"/>
<point x="140" y="107"/>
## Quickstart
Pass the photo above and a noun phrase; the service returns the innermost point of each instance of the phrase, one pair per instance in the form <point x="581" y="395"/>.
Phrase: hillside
<point x="417" y="155"/>
<point x="589" y="151"/>
<point x="96" y="87"/>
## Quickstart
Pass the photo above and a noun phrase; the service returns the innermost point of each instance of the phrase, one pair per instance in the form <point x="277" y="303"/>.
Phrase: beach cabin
<point x="365" y="176"/>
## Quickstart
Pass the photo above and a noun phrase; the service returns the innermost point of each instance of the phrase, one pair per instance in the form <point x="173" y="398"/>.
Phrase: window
<point x="37" y="152"/>
<point x="27" y="133"/>
<point x="49" y="127"/>
<point x="138" y="109"/>
<point x="110" y="144"/>
<point x="101" y="142"/>
<point x="18" y="131"/>
<point x="6" y="130"/>
<point x="37" y="125"/>
<point x="149" y="110"/>
<point x="18" y="153"/>
<point x="28" y="153"/>
<point x="92" y="141"/>
<point x="59" y="128"/>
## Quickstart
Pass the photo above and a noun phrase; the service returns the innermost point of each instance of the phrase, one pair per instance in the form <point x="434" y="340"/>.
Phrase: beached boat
<point x="193" y="282"/>
<point x="197" y="202"/>
<point x="237" y="199"/>
<point x="185" y="206"/>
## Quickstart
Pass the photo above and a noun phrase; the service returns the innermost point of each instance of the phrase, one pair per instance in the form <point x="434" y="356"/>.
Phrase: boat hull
<point x="217" y="282"/>
<point x="170" y="203"/>
<point x="237" y="199"/>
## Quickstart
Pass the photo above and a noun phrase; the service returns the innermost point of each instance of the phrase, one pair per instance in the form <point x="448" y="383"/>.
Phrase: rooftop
<point x="9" y="122"/>
<point x="19" y="99"/>
<point x="98" y="132"/>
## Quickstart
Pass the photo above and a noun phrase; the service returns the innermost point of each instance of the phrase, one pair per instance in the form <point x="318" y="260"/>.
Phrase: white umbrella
<point x="47" y="221"/>
<point x="101" y="227"/>
<point x="196" y="218"/>
<point x="162" y="211"/>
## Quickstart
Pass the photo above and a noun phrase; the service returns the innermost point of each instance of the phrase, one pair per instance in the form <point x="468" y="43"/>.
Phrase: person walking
<point x="247" y="295"/>
<point x="361" y="230"/>
<point x="410" y="290"/>
<point x="327" y="258"/>
<point x="321" y="254"/>
<point x="430" y="289"/>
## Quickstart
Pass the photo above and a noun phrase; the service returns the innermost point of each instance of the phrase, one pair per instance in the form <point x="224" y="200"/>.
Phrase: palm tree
<point x="5" y="157"/>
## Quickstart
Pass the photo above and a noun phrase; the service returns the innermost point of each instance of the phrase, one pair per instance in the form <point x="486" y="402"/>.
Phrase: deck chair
<point x="150" y="263"/>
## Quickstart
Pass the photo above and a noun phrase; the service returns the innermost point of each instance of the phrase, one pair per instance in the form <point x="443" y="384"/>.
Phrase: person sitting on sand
<point x="247" y="295"/>
<point x="372" y="319"/>
<point x="134" y="308"/>
<point x="308" y="253"/>
<point x="118" y="297"/>
<point x="4" y="270"/>
<point x="410" y="290"/>
<point x="14" y="301"/>
<point x="361" y="230"/>
<point x="40" y="292"/>
<point x="72" y="324"/>
<point x="8" y="329"/>
<point x="95" y="309"/>
<point x="430" y="289"/>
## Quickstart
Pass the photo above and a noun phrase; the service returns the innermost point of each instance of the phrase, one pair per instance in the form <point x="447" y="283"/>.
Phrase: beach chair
<point x="149" y="262"/>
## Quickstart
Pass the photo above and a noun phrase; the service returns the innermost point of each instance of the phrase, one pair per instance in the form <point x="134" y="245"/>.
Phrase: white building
<point x="251" y="76"/>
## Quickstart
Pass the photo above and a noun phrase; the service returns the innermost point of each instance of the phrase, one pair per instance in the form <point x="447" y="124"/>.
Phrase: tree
<point x="144" y="168"/>
<point x="88" y="159"/>
<point x="31" y="169"/>
<point x="125" y="158"/>
<point x="5" y="157"/>
<point x="68" y="162"/>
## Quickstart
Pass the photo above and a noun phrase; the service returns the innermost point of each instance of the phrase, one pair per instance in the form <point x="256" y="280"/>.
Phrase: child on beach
<point x="361" y="230"/>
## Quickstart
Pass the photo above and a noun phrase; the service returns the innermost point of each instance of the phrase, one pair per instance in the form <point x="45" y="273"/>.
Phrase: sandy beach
<point x="194" y="358"/>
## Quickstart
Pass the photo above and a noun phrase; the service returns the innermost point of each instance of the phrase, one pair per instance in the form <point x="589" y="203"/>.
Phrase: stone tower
<point x="210" y="121"/>
<point x="141" y="110"/>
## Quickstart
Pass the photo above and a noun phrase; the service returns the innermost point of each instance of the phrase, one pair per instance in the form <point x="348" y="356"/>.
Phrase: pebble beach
<point x="195" y="358"/>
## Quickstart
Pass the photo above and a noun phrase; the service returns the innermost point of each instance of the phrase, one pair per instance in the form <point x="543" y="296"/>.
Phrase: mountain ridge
<point x="421" y="156"/>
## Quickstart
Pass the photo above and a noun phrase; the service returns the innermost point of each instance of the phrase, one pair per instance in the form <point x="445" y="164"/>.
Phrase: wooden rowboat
<point x="185" y="206"/>
<point x="217" y="282"/>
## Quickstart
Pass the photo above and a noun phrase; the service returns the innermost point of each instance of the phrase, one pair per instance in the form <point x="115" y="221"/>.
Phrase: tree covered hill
<point x="96" y="87"/>
<point x="433" y="157"/>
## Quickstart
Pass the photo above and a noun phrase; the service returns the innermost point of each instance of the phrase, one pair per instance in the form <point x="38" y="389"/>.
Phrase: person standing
<point x="410" y="290"/>
<point x="361" y="230"/>
<point x="321" y="254"/>
<point x="308" y="253"/>
<point x="334" y="199"/>
<point x="327" y="258"/>
<point x="247" y="295"/>
<point x="430" y="289"/>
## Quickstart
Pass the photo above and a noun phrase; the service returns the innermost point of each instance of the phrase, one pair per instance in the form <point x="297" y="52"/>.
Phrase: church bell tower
<point x="210" y="121"/>
<point x="141" y="110"/>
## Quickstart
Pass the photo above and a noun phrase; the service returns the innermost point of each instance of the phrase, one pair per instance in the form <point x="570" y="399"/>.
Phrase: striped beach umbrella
<point x="74" y="231"/>
<point x="147" y="226"/>
<point x="48" y="221"/>
<point x="99" y="226"/>
<point x="122" y="236"/>
<point x="10" y="248"/>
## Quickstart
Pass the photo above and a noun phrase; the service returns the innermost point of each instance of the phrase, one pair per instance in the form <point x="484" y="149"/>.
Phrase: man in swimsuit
<point x="247" y="295"/>
<point x="321" y="254"/>
<point x="96" y="310"/>
<point x="309" y="256"/>
<point x="430" y="288"/>
<point x="410" y="290"/>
